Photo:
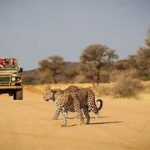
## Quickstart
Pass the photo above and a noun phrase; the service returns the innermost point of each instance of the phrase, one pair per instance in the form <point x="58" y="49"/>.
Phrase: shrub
<point x="27" y="80"/>
<point x="103" y="89"/>
<point x="126" y="86"/>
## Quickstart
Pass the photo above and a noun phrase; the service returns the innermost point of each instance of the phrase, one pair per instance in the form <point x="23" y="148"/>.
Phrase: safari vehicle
<point x="10" y="78"/>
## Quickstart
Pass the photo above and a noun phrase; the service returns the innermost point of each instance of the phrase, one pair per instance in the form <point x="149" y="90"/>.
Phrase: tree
<point x="27" y="79"/>
<point x="147" y="41"/>
<point x="70" y="71"/>
<point x="31" y="77"/>
<point x="142" y="60"/>
<point x="122" y="64"/>
<point x="93" y="58"/>
<point x="44" y="71"/>
<point x="52" y="67"/>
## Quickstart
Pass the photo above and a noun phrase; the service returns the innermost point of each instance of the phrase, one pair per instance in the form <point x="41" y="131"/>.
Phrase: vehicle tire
<point x="18" y="95"/>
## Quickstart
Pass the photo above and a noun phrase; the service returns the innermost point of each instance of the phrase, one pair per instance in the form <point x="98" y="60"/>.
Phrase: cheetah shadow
<point x="73" y="125"/>
<point x="96" y="123"/>
<point x="90" y="117"/>
<point x="105" y="122"/>
<point x="100" y="117"/>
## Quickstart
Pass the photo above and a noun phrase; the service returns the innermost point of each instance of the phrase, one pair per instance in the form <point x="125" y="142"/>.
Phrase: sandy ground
<point x="27" y="125"/>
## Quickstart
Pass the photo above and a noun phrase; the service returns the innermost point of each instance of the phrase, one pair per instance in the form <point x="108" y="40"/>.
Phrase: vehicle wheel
<point x="18" y="95"/>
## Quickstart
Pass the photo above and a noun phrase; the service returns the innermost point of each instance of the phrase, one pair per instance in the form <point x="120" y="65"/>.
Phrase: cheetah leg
<point x="80" y="114"/>
<point x="78" y="110"/>
<point x="65" y="117"/>
<point x="94" y="109"/>
<point x="86" y="113"/>
<point x="57" y="112"/>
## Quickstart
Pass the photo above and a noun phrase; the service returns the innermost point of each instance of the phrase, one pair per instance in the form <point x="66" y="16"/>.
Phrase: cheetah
<point x="69" y="102"/>
<point x="86" y="102"/>
<point x="53" y="94"/>
<point x="84" y="95"/>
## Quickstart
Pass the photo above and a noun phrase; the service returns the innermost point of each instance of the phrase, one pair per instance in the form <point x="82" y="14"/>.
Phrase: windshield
<point x="8" y="64"/>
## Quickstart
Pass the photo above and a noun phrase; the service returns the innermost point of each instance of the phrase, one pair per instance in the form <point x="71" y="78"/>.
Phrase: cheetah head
<point x="50" y="94"/>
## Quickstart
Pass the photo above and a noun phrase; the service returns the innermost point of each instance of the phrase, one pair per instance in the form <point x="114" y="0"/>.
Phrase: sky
<point x="32" y="30"/>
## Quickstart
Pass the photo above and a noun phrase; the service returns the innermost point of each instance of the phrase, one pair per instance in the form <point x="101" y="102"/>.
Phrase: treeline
<point x="98" y="63"/>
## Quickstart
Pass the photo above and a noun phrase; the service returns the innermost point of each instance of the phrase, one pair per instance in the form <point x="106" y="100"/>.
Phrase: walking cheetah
<point x="86" y="100"/>
<point x="85" y="96"/>
<point x="53" y="94"/>
<point x="69" y="102"/>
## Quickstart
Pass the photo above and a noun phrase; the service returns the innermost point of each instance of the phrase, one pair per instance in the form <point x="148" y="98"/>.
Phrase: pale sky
<point x="31" y="30"/>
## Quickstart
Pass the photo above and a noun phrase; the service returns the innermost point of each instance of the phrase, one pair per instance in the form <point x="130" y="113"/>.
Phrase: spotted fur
<point x="69" y="102"/>
<point x="86" y="99"/>
<point x="54" y="94"/>
<point x="67" y="99"/>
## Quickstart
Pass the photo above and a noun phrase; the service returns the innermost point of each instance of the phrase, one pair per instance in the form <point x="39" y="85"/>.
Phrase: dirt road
<point x="27" y="125"/>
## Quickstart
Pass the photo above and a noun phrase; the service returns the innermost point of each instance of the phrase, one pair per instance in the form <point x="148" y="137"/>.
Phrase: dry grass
<point x="40" y="88"/>
<point x="104" y="89"/>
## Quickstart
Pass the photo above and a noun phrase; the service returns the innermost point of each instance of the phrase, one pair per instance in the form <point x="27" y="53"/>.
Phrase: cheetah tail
<point x="101" y="104"/>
